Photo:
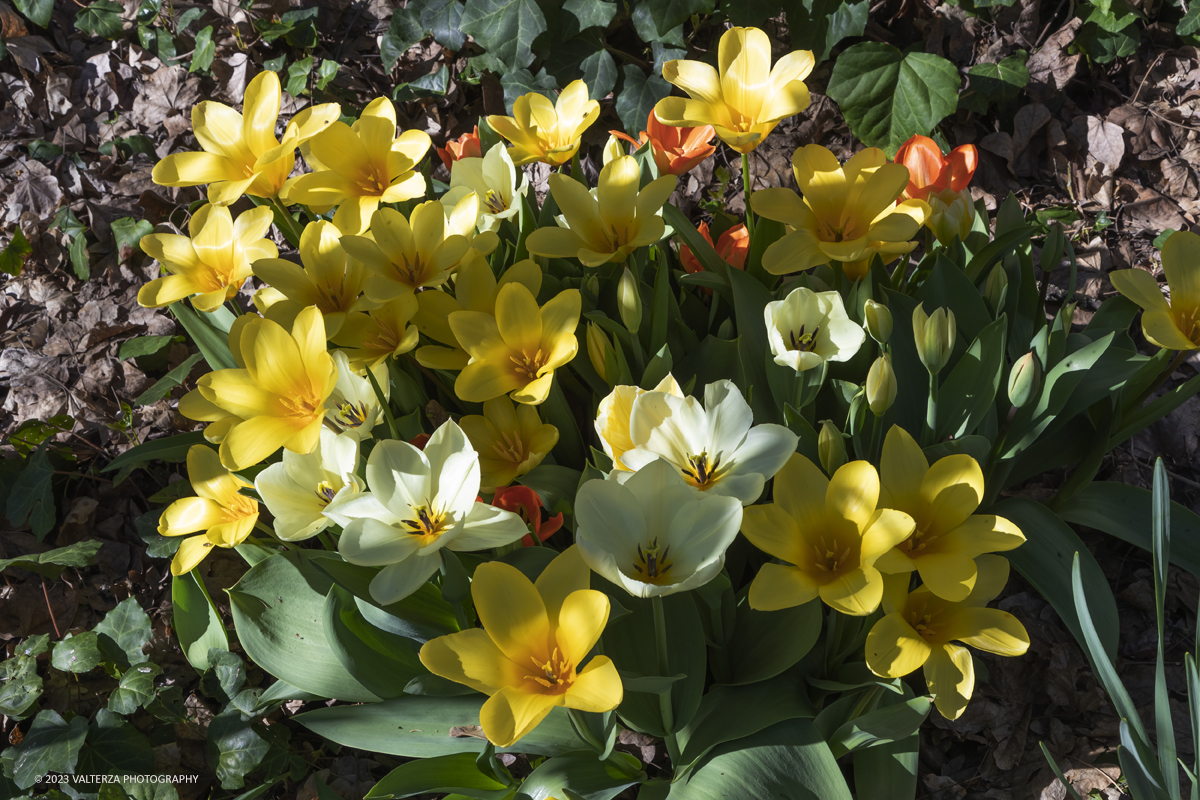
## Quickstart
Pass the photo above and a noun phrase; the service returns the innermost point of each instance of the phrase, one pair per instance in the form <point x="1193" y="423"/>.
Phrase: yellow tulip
<point x="279" y="395"/>
<point x="934" y="335"/>
<point x="541" y="131"/>
<point x="517" y="350"/>
<point x="240" y="154"/>
<point x="404" y="255"/>
<point x="744" y="98"/>
<point x="219" y="510"/>
<point x="828" y="532"/>
<point x="614" y="413"/>
<point x="371" y="337"/>
<point x="212" y="262"/>
<point x="920" y="628"/>
<point x="598" y="347"/>
<point x="360" y="166"/>
<point x="848" y="213"/>
<point x="475" y="288"/>
<point x="528" y="657"/>
<point x="1174" y="324"/>
<point x="942" y="501"/>
<point x="330" y="279"/>
<point x="510" y="440"/>
<point x="612" y="224"/>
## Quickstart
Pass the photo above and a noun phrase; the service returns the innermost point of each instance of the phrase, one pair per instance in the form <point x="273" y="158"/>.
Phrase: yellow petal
<point x="949" y="575"/>
<point x="777" y="587"/>
<point x="950" y="492"/>
<point x="1140" y="287"/>
<point x="193" y="169"/>
<point x="856" y="593"/>
<point x="581" y="620"/>
<point x="821" y="180"/>
<point x="852" y="494"/>
<point x="567" y="573"/>
<point x="950" y="676"/>
<point x="190" y="515"/>
<point x="986" y="533"/>
<point x="887" y="529"/>
<point x="597" y="688"/>
<point x="512" y="713"/>
<point x="894" y="649"/>
<point x="744" y="63"/>
<point x="795" y="252"/>
<point x="990" y="630"/>
<point x="902" y="469"/>
<point x="218" y="129"/>
<point x="877" y="194"/>
<point x="990" y="580"/>
<point x="260" y="109"/>
<point x="698" y="79"/>
<point x="800" y="490"/>
<point x="1181" y="265"/>
<point x="252" y="440"/>
<point x="512" y="612"/>
<point x="471" y="658"/>
<point x="555" y="243"/>
<point x="617" y="193"/>
<point x="772" y="530"/>
<point x="518" y="319"/>
<point x="191" y="552"/>
<point x="1160" y="328"/>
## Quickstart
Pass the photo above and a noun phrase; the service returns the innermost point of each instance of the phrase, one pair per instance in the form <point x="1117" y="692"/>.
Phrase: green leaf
<point x="78" y="652"/>
<point x="591" y="13"/>
<point x="51" y="563"/>
<point x="302" y="30"/>
<point x="12" y="258"/>
<point x="114" y="747"/>
<point x="206" y="331"/>
<point x="887" y="96"/>
<point x="326" y="72"/>
<point x="36" y="11"/>
<point x="639" y="92"/>
<point x="819" y="25"/>
<point x="204" y="51"/>
<point x="420" y="727"/>
<point x="80" y="259"/>
<point x="1190" y="23"/>
<point x="1002" y="81"/>
<point x="888" y="771"/>
<point x="505" y="28"/>
<point x="235" y="747"/>
<point x="135" y="690"/>
<point x="449" y="773"/>
<point x="1105" y="46"/>
<point x="20" y="684"/>
<point x="196" y="621"/>
<point x="163" y="386"/>
<point x="278" y="608"/>
<point x="171" y="449"/>
<point x="383" y="662"/>
<point x="51" y="745"/>
<point x="127" y="233"/>
<point x="128" y="626"/>
<point x="884" y="725"/>
<point x="970" y="389"/>
<point x="788" y="759"/>
<point x="765" y="643"/>
<point x="1045" y="561"/>
<point x="31" y="499"/>
<point x="599" y="73"/>
<point x="140" y="346"/>
<point x="297" y="76"/>
<point x="584" y="775"/>
<point x="226" y="677"/>
<point x="553" y="483"/>
<point x="101" y="19"/>
<point x="443" y="19"/>
<point x="670" y="14"/>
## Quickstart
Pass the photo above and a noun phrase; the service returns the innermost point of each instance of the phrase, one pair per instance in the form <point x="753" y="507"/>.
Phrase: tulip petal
<point x="555" y="243"/>
<point x="950" y="492"/>
<point x="218" y="129"/>
<point x="581" y="620"/>
<point x="190" y="515"/>
<point x="1181" y="266"/>
<point x="783" y="205"/>
<point x="776" y="587"/>
<point x="800" y="490"/>
<point x="487" y="526"/>
<point x="260" y="109"/>
<point x="894" y="649"/>
<point x="990" y="630"/>
<point x="888" y="529"/>
<point x="512" y="713"/>
<point x="902" y="469"/>
<point x="397" y="581"/>
<point x="372" y="543"/>
<point x="471" y="658"/>
<point x="191" y="552"/>
<point x="856" y="593"/>
<point x="1160" y="328"/>
<point x="948" y="575"/>
<point x="744" y="63"/>
<point x="480" y="381"/>
<point x="984" y="533"/>
<point x="852" y="494"/>
<point x="597" y="688"/>
<point x="772" y="530"/>
<point x="567" y="573"/>
<point x="1140" y="287"/>
<point x="193" y="169"/>
<point x="787" y="101"/>
<point x="698" y="79"/>
<point x="795" y="252"/>
<point x="512" y="612"/>
<point x="950" y="676"/>
<point x="254" y="439"/>
<point x="821" y="180"/>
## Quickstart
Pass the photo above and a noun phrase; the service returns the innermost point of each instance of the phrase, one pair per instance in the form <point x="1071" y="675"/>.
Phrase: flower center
<point x="923" y="624"/>
<point x="325" y="492"/>
<point x="305" y="407"/>
<point x="1188" y="323"/>
<point x="509" y="447"/>
<point x="830" y="556"/>
<point x="495" y="202"/>
<point x="412" y="273"/>
<point x="917" y="542"/>
<point x="529" y="366"/>
<point x="700" y="473"/>
<point x="351" y="415"/>
<point x="240" y="506"/>
<point x="652" y="565"/>
<point x="555" y="675"/>
<point x="429" y="523"/>
<point x="804" y="342"/>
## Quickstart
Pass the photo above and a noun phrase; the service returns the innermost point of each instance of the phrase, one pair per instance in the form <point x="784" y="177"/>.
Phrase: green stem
<point x="876" y="430"/>
<point x="1162" y="378"/>
<point x="664" y="699"/>
<point x="384" y="404"/>
<point x="584" y="731"/>
<point x="291" y="229"/>
<point x="747" y="180"/>
<point x="927" y="435"/>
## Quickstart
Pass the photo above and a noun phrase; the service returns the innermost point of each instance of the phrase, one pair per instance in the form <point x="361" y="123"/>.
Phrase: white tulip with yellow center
<point x="808" y="328"/>
<point x="494" y="179"/>
<point x="418" y="503"/>
<point x="652" y="533"/>
<point x="713" y="445"/>
<point x="298" y="490"/>
<point x="353" y="407"/>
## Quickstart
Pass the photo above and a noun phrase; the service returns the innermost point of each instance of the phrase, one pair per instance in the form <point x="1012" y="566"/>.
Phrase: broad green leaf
<point x="135" y="690"/>
<point x="505" y="28"/>
<point x="326" y="72"/>
<point x="12" y="258"/>
<point x="670" y="14"/>
<point x="639" y="92"/>
<point x="438" y="775"/>
<point x="51" y="563"/>
<point x="1106" y="46"/>
<point x="520" y="82"/>
<point x="20" y="684"/>
<point x="170" y="449"/>
<point x="443" y="19"/>
<point x="1190" y="23"/>
<point x="647" y="29"/>
<point x="212" y="341"/>
<point x="420" y="727"/>
<point x="196" y="621"/>
<point x="235" y="747"/>
<point x="36" y="11"/>
<point x="948" y="287"/>
<point x="819" y="25"/>
<point x="297" y="76"/>
<point x="884" y="725"/>
<point x="887" y="95"/>
<point x="591" y="13"/>
<point x="404" y="30"/>
<point x="888" y="771"/>
<point x="381" y="661"/>
<point x="421" y="616"/>
<point x="1152" y="412"/>
<point x="101" y="19"/>
<point x="225" y="677"/>
<point x="765" y="643"/>
<point x="128" y="232"/>
<point x="599" y="73"/>
<point x="1001" y="81"/>
<point x="163" y="386"/>
<point x="278" y="608"/>
<point x="114" y="747"/>
<point x="583" y="775"/>
<point x="204" y="51"/>
<point x="31" y="498"/>
<point x="788" y="759"/>
<point x="554" y="484"/>
<point x="140" y="346"/>
<point x="129" y="627"/>
<point x="970" y="389"/>
<point x="51" y="745"/>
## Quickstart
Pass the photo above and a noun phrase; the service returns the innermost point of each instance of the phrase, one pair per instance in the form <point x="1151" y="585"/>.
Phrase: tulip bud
<point x="1025" y="380"/>
<point x="591" y="285"/>
<point x="612" y="149"/>
<point x="996" y="289"/>
<point x="934" y="336"/>
<point x="598" y="347"/>
<point x="831" y="447"/>
<point x="878" y="321"/>
<point x="881" y="386"/>
<point x="950" y="214"/>
<point x="629" y="301"/>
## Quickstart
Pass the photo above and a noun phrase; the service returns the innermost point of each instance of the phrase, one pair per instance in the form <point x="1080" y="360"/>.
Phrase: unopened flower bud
<point x="598" y="347"/>
<point x="881" y="386"/>
<point x="612" y="149"/>
<point x="950" y="214"/>
<point x="878" y="321"/>
<point x="995" y="291"/>
<point x="1025" y="380"/>
<point x="831" y="448"/>
<point x="629" y="301"/>
<point x="934" y="336"/>
<point x="591" y="284"/>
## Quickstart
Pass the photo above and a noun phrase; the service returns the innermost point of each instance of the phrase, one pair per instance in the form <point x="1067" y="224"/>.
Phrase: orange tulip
<point x="465" y="146"/>
<point x="930" y="172"/>
<point x="676" y="150"/>
<point x="732" y="246"/>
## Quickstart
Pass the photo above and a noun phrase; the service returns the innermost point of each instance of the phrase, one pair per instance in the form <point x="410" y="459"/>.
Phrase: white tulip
<point x="807" y="328"/>
<point x="494" y="179"/>
<point x="353" y="407"/>
<point x="299" y="489"/>
<point x="612" y="417"/>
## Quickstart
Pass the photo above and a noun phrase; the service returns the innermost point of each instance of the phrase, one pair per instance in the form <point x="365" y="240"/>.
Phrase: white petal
<point x="398" y="581"/>
<point x="701" y="532"/>
<point x="371" y="543"/>
<point x="729" y="417"/>
<point x="487" y="526"/>
<point x="765" y="450"/>
<point x="400" y="475"/>
<point x="359" y="505"/>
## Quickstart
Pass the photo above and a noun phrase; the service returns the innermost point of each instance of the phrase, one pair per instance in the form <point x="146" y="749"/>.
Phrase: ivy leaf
<point x="36" y="11"/>
<point x="443" y="19"/>
<point x="1003" y="81"/>
<point x="135" y="690"/>
<point x="81" y="262"/>
<point x="235" y="747"/>
<point x="888" y="96"/>
<point x="51" y="563"/>
<point x="1190" y="22"/>
<point x="326" y="72"/>
<point x="205" y="50"/>
<point x="127" y="233"/>
<point x="297" y="76"/>
<point x="20" y="684"/>
<point x="13" y="256"/>
<point x="819" y="25"/>
<point x="226" y="675"/>
<point x="647" y="28"/>
<point x="77" y="652"/>
<point x="521" y="81"/>
<point x="51" y="745"/>
<point x="32" y="497"/>
<point x="669" y="14"/>
<point x="591" y="13"/>
<point x="404" y="30"/>
<point x="114" y="747"/>
<point x="129" y="627"/>
<point x="505" y="28"/>
<point x="638" y="95"/>
<point x="599" y="73"/>
<point x="101" y="19"/>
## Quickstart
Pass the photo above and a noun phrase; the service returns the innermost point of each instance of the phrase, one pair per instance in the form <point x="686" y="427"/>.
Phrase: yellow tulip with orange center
<point x="942" y="500"/>
<point x="405" y="255"/>
<point x="360" y="166"/>
<point x="543" y="131"/>
<point x="516" y="351"/>
<point x="529" y="656"/>
<point x="329" y="280"/>
<point x="475" y="289"/>
<point x="219" y="510"/>
<point x="211" y="264"/>
<point x="610" y="225"/>
<point x="279" y="395"/>
<point x="919" y="629"/>
<point x="847" y="213"/>
<point x="744" y="98"/>
<point x="1173" y="324"/>
<point x="829" y="533"/>
<point x="511" y="440"/>
<point x="239" y="152"/>
<point x="370" y="337"/>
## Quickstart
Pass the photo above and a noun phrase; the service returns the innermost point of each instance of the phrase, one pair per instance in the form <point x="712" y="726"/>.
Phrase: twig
<point x="1153" y="64"/>
<point x="53" y="621"/>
